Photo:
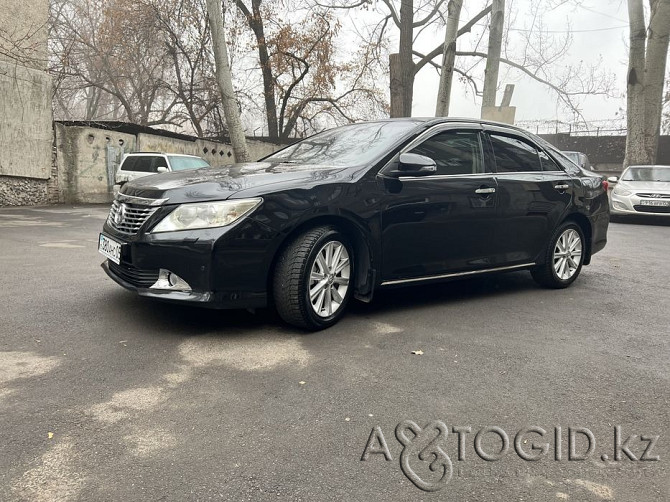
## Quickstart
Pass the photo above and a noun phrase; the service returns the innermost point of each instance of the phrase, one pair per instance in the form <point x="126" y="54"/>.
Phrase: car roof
<point x="652" y="165"/>
<point x="431" y="121"/>
<point x="163" y="153"/>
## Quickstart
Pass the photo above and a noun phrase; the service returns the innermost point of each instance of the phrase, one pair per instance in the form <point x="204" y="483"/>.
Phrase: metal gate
<point x="114" y="157"/>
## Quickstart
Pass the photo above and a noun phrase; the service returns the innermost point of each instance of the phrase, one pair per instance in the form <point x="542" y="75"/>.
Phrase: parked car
<point x="641" y="190"/>
<point x="580" y="159"/>
<point x="354" y="209"/>
<point x="140" y="164"/>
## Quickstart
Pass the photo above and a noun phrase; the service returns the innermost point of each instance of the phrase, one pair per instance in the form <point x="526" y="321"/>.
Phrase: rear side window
<point x="548" y="163"/>
<point x="514" y="154"/>
<point x="454" y="152"/>
<point x="129" y="164"/>
<point x="139" y="163"/>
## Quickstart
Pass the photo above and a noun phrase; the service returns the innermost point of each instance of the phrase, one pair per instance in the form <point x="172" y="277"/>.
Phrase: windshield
<point x="182" y="163"/>
<point x="651" y="173"/>
<point x="350" y="145"/>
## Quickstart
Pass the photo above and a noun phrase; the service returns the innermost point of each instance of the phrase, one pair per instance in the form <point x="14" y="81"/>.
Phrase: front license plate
<point x="110" y="248"/>
<point x="661" y="203"/>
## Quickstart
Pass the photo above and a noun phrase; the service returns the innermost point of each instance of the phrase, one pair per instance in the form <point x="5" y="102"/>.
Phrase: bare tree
<point x="225" y="80"/>
<point x="493" y="54"/>
<point x="306" y="84"/>
<point x="648" y="54"/>
<point x="448" y="58"/>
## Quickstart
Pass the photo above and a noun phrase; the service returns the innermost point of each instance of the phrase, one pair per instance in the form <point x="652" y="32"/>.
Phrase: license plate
<point x="110" y="248"/>
<point x="662" y="203"/>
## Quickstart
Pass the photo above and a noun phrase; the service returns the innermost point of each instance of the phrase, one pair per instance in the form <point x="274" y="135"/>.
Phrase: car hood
<point x="646" y="186"/>
<point x="219" y="183"/>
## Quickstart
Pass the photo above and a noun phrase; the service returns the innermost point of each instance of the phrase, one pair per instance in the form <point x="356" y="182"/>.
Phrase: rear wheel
<point x="565" y="257"/>
<point x="312" y="281"/>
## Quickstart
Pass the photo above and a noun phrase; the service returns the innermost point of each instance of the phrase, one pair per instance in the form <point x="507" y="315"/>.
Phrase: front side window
<point x="454" y="152"/>
<point x="158" y="162"/>
<point x="514" y="155"/>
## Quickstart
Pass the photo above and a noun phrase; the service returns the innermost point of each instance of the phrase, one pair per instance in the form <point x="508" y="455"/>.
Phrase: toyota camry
<point x="353" y="209"/>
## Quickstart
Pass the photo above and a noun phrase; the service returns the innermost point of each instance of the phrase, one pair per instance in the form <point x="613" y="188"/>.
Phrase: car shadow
<point x="660" y="221"/>
<point x="167" y="319"/>
<point x="428" y="295"/>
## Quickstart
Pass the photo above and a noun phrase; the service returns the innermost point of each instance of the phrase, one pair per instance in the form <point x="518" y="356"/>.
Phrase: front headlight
<point x="623" y="192"/>
<point x="206" y="215"/>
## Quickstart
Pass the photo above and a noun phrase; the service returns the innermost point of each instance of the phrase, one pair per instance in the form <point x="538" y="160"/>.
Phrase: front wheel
<point x="313" y="279"/>
<point x="564" y="260"/>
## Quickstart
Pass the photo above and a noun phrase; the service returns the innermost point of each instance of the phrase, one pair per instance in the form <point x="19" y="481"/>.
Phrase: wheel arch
<point x="364" y="279"/>
<point x="587" y="230"/>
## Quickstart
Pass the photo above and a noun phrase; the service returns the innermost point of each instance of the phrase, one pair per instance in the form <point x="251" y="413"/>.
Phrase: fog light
<point x="170" y="280"/>
<point x="619" y="205"/>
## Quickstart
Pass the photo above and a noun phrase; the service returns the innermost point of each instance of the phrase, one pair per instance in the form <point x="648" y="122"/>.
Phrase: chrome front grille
<point x="128" y="218"/>
<point x="654" y="195"/>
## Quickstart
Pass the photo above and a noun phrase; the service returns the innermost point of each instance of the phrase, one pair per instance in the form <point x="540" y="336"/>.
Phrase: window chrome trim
<point x="141" y="201"/>
<point x="457" y="274"/>
<point x="445" y="176"/>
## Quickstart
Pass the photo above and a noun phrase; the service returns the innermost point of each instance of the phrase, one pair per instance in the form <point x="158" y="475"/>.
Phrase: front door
<point x="444" y="222"/>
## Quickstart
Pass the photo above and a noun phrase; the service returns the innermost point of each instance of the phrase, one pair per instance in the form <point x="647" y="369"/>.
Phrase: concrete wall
<point x="606" y="153"/>
<point x="217" y="154"/>
<point x="25" y="103"/>
<point x="87" y="158"/>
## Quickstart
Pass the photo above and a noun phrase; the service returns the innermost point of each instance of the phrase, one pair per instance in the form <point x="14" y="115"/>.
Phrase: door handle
<point x="561" y="187"/>
<point x="481" y="191"/>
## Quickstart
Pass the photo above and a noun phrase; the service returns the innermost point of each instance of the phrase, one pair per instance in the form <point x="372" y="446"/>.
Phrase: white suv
<point x="137" y="165"/>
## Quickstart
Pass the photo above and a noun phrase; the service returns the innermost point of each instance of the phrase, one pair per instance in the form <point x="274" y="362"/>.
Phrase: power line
<point x="572" y="31"/>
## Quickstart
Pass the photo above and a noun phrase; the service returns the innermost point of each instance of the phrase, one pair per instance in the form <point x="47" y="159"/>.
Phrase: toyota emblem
<point x="120" y="214"/>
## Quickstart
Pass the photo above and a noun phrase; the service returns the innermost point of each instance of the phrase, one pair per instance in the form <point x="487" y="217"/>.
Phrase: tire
<point x="313" y="279"/>
<point x="559" y="270"/>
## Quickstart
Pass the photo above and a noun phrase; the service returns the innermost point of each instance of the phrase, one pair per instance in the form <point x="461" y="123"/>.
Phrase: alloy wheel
<point x="567" y="254"/>
<point x="329" y="279"/>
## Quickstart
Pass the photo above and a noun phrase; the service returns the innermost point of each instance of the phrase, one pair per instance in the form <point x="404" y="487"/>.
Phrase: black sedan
<point x="353" y="209"/>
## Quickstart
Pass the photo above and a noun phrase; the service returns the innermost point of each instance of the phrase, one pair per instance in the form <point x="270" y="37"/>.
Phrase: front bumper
<point x="634" y="204"/>
<point x="167" y="295"/>
<point x="226" y="268"/>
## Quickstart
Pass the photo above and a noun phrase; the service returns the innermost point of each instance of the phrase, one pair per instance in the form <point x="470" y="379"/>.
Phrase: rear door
<point x="534" y="194"/>
<point x="440" y="223"/>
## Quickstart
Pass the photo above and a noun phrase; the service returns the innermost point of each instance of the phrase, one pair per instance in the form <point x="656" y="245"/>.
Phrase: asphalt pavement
<point x="108" y="396"/>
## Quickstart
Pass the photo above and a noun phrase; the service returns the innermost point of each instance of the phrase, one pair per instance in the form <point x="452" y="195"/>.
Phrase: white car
<point x="138" y="165"/>
<point x="641" y="190"/>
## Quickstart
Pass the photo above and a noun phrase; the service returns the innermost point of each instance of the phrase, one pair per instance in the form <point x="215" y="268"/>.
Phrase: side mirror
<point x="412" y="164"/>
<point x="613" y="179"/>
<point x="162" y="169"/>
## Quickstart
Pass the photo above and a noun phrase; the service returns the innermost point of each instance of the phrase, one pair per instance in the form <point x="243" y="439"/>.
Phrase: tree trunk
<point x="493" y="58"/>
<point x="448" y="58"/>
<point x="654" y="79"/>
<point x="225" y="81"/>
<point x="395" y="85"/>
<point x="646" y="78"/>
<point x="255" y="21"/>
<point x="405" y="51"/>
<point x="635" y="150"/>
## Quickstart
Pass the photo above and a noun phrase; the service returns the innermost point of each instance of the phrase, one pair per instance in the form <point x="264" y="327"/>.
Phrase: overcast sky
<point x="599" y="31"/>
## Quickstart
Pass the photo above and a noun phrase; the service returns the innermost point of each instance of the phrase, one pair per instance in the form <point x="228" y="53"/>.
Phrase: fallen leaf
<point x="302" y="383"/>
<point x="51" y="435"/>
